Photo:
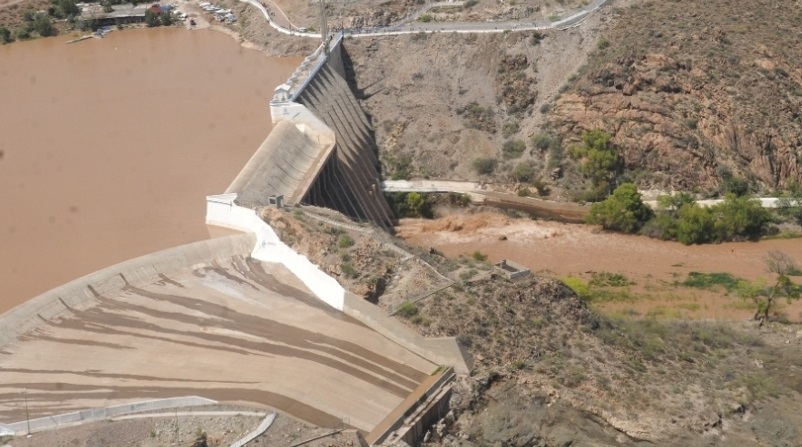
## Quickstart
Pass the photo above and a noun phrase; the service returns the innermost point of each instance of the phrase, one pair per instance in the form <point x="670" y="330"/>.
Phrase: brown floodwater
<point x="109" y="147"/>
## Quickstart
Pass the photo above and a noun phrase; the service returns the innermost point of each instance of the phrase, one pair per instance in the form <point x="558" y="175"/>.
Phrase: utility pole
<point x="324" y="29"/>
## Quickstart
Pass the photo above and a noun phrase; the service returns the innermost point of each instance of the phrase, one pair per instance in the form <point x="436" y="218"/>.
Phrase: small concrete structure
<point x="276" y="201"/>
<point x="513" y="270"/>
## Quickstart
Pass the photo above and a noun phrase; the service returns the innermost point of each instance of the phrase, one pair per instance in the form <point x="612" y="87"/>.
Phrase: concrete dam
<point x="322" y="150"/>
<point x="243" y="318"/>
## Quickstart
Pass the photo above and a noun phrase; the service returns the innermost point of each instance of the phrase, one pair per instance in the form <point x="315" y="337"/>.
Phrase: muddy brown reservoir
<point x="109" y="147"/>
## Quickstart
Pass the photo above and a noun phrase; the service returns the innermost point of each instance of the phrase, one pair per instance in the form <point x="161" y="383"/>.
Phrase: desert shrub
<point x="479" y="256"/>
<point x="485" y="165"/>
<point x="513" y="149"/>
<point x="510" y="129"/>
<point x="345" y="241"/>
<point x="348" y="270"/>
<point x="711" y="281"/>
<point x="426" y="18"/>
<point x="543" y="141"/>
<point x="523" y="172"/>
<point x="542" y="187"/>
<point x="407" y="310"/>
<point x="607" y="279"/>
<point x="5" y="35"/>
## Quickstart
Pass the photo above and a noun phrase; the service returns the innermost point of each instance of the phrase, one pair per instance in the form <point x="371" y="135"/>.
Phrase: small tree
<point x="764" y="296"/>
<point x="601" y="162"/>
<point x="418" y="205"/>
<point x="43" y="25"/>
<point x="523" y="172"/>
<point x="789" y="204"/>
<point x="623" y="211"/>
<point x="5" y="35"/>
<point x="694" y="224"/>
<point x="166" y="18"/>
<point x="151" y="18"/>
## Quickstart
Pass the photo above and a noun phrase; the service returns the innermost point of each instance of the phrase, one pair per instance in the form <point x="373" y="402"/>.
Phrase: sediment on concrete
<point x="441" y="350"/>
<point x="423" y="407"/>
<point x="80" y="294"/>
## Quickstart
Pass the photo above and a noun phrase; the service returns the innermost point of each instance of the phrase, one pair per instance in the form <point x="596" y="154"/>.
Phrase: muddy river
<point x="109" y="147"/>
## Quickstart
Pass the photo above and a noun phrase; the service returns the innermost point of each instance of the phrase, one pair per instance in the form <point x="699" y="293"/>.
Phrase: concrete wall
<point x="442" y="350"/>
<point x="266" y="423"/>
<point x="411" y="418"/>
<point x="100" y="414"/>
<point x="80" y="293"/>
<point x="221" y="211"/>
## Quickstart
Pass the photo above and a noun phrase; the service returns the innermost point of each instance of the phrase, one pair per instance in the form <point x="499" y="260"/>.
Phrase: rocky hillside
<point x="440" y="102"/>
<point x="550" y="371"/>
<point x="695" y="91"/>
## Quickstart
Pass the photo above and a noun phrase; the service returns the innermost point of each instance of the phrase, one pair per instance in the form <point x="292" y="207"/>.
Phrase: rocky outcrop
<point x="692" y="94"/>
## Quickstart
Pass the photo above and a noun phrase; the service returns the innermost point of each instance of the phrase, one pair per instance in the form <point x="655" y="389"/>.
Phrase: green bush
<point x="43" y="26"/>
<point x="5" y="35"/>
<point x="479" y="256"/>
<point x="411" y="204"/>
<point x="485" y="165"/>
<point x="513" y="149"/>
<point x="426" y="18"/>
<point x="348" y="270"/>
<point x="523" y="172"/>
<point x="712" y="280"/>
<point x="579" y="286"/>
<point x="345" y="241"/>
<point x="601" y="162"/>
<point x="510" y="129"/>
<point x="407" y="310"/>
<point x="543" y="141"/>
<point x="623" y="211"/>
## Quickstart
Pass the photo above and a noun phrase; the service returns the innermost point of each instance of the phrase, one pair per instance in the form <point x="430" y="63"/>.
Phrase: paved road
<point x="449" y="27"/>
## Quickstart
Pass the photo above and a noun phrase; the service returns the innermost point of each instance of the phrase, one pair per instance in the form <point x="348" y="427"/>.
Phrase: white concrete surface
<point x="266" y="423"/>
<point x="100" y="414"/>
<point x="269" y="248"/>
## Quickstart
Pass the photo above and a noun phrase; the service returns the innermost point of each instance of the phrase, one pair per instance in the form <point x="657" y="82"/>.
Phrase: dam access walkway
<point x="228" y="328"/>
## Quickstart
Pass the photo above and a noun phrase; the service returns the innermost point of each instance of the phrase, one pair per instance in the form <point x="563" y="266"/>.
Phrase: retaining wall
<point x="441" y="350"/>
<point x="222" y="211"/>
<point x="80" y="293"/>
<point x="100" y="414"/>
<point x="424" y="406"/>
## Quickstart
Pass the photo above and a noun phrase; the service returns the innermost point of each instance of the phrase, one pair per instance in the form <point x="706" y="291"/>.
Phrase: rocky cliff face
<point x="694" y="91"/>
